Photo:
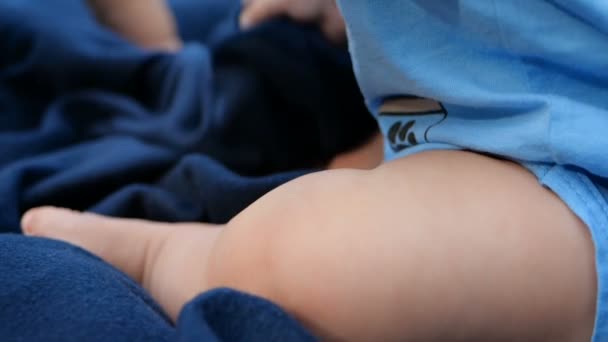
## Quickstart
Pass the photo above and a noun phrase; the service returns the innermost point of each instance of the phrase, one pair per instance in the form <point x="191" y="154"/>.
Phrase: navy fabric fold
<point x="226" y="315"/>
<point x="52" y="291"/>
<point x="90" y="122"/>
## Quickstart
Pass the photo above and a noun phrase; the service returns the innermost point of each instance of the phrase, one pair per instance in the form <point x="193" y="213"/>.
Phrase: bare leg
<point x="438" y="246"/>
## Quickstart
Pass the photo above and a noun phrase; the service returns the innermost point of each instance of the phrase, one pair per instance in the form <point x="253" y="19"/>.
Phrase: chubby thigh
<point x="441" y="245"/>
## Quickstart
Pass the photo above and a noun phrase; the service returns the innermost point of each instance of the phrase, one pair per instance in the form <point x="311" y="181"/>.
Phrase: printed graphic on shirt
<point x="408" y="120"/>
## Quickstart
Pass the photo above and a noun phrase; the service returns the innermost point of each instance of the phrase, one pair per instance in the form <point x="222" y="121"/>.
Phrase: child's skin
<point x="147" y="23"/>
<point x="324" y="13"/>
<point x="438" y="246"/>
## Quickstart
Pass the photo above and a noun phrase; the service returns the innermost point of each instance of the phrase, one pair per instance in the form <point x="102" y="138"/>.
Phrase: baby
<point x="485" y="220"/>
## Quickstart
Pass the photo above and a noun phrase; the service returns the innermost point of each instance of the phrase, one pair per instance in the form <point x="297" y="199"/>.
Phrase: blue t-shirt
<point x="526" y="80"/>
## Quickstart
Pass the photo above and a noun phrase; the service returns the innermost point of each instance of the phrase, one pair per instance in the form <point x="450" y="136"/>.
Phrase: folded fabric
<point x="52" y="291"/>
<point x="89" y="122"/>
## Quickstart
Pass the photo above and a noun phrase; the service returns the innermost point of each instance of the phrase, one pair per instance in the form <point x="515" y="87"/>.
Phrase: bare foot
<point x="159" y="256"/>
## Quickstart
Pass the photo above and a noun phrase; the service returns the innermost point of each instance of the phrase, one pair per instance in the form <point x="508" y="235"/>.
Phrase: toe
<point x="45" y="221"/>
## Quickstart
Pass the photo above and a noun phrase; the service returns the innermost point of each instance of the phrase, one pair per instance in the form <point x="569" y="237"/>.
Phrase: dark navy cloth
<point x="52" y="291"/>
<point x="90" y="122"/>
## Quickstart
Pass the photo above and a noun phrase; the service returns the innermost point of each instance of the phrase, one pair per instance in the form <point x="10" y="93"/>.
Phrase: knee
<point x="281" y="246"/>
<point x="250" y="251"/>
<point x="271" y="261"/>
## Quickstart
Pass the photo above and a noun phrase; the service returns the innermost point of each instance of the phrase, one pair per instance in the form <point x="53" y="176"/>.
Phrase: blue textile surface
<point x="89" y="122"/>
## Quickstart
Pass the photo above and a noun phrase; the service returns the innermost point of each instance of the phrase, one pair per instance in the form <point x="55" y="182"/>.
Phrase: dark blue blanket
<point x="89" y="122"/>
